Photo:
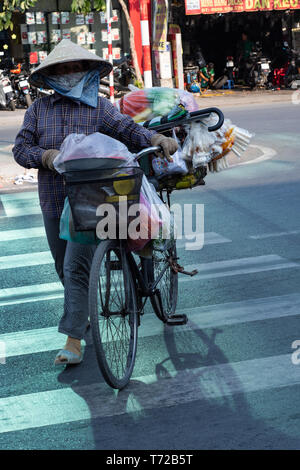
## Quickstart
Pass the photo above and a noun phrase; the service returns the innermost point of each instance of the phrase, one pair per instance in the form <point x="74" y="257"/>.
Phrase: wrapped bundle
<point x="148" y="103"/>
<point x="211" y="148"/>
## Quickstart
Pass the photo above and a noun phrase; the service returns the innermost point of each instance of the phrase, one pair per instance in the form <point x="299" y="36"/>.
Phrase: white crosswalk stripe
<point x="22" y="234"/>
<point x="66" y="405"/>
<point x="48" y="339"/>
<point x="211" y="270"/>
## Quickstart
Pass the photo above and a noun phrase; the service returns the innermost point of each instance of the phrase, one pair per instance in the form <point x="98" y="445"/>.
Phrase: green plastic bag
<point x="67" y="231"/>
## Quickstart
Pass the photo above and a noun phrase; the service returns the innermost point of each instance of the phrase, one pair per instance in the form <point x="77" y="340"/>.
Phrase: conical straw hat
<point x="68" y="51"/>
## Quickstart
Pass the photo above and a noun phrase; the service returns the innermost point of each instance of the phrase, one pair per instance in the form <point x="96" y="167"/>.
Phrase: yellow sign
<point x="160" y="25"/>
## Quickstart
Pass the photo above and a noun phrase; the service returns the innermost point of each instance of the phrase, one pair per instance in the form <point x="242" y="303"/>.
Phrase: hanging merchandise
<point x="30" y="18"/>
<point x="90" y="38"/>
<point x="40" y="17"/>
<point x="56" y="35"/>
<point x="115" y="34"/>
<point x="79" y="19"/>
<point x="66" y="34"/>
<point x="65" y="17"/>
<point x="104" y="35"/>
<point x="81" y="39"/>
<point x="24" y="34"/>
<point x="41" y="37"/>
<point x="102" y="17"/>
<point x="116" y="53"/>
<point x="32" y="37"/>
<point x="55" y="16"/>
<point x="89" y="18"/>
<point x="33" y="58"/>
<point x="42" y="55"/>
<point x="114" y="16"/>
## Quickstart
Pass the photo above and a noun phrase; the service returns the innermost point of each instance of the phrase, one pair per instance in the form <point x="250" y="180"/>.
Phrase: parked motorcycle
<point x="285" y="71"/>
<point x="228" y="74"/>
<point x="256" y="68"/>
<point x="6" y="92"/>
<point x="124" y="75"/>
<point x="21" y="87"/>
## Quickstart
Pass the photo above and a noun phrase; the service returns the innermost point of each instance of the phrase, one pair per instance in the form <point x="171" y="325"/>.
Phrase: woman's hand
<point x="48" y="158"/>
<point x="169" y="145"/>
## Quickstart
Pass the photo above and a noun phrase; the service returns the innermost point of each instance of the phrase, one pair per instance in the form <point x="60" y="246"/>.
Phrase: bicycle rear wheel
<point x="164" y="302"/>
<point x="113" y="313"/>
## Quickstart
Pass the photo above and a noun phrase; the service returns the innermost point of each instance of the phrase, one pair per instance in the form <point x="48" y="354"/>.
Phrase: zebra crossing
<point x="194" y="382"/>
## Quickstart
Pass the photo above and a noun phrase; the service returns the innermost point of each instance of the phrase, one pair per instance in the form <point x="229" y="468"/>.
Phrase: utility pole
<point x="146" y="44"/>
<point x="110" y="56"/>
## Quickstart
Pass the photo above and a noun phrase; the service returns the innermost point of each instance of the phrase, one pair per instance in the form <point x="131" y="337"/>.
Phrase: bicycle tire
<point x="110" y="349"/>
<point x="12" y="105"/>
<point x="167" y="286"/>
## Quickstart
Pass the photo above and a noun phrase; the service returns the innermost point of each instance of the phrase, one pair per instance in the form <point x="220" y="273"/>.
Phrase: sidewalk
<point x="240" y="97"/>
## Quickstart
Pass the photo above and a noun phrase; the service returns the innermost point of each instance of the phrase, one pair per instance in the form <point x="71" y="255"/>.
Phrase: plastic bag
<point x="148" y="103"/>
<point x="198" y="144"/>
<point x="163" y="167"/>
<point x="155" y="219"/>
<point x="94" y="146"/>
<point x="67" y="231"/>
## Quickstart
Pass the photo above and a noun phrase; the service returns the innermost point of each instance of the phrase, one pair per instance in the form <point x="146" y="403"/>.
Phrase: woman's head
<point x="65" y="68"/>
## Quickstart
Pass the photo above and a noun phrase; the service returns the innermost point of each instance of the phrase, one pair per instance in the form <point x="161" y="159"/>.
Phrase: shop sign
<point x="160" y="25"/>
<point x="196" y="7"/>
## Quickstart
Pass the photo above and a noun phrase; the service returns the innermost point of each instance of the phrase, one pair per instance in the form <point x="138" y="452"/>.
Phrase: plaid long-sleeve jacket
<point x="52" y="118"/>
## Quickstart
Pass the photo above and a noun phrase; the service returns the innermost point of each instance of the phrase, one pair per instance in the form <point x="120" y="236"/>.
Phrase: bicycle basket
<point x="87" y="190"/>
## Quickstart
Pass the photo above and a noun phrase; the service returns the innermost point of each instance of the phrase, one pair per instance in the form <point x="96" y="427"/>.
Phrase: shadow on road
<point x="162" y="415"/>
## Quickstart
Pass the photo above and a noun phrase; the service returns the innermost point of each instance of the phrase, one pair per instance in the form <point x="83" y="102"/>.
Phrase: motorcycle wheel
<point x="28" y="100"/>
<point x="12" y="105"/>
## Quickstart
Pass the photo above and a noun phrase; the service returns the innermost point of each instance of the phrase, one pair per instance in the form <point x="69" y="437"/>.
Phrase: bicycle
<point x="118" y="286"/>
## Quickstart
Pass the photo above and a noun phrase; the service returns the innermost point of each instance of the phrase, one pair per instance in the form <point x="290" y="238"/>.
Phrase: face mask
<point x="68" y="81"/>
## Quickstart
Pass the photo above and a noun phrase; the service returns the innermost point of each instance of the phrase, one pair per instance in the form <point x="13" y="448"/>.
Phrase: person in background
<point x="74" y="74"/>
<point x="207" y="76"/>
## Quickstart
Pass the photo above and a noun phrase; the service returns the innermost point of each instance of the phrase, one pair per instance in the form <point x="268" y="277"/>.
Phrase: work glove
<point x="169" y="145"/>
<point x="48" y="158"/>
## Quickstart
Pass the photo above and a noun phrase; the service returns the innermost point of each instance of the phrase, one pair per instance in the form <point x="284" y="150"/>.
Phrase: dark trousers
<point x="72" y="264"/>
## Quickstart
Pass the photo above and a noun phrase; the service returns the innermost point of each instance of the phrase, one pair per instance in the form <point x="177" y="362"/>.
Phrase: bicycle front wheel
<point x="113" y="313"/>
<point x="160" y="269"/>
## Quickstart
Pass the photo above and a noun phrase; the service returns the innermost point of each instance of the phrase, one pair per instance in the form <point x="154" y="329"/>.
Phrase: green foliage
<point x="85" y="6"/>
<point x="8" y="7"/>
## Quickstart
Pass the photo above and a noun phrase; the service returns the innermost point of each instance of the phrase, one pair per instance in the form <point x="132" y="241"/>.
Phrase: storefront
<point x="216" y="26"/>
<point x="37" y="31"/>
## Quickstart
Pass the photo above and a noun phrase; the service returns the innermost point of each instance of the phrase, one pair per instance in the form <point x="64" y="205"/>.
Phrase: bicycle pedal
<point x="177" y="320"/>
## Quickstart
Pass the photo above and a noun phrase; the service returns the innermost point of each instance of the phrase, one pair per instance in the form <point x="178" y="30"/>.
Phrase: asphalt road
<point x="226" y="380"/>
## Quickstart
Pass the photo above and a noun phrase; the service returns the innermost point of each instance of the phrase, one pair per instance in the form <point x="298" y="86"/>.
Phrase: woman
<point x="74" y="74"/>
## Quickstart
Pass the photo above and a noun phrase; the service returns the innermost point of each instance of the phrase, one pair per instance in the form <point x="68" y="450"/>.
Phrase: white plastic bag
<point x="96" y="145"/>
<point x="162" y="167"/>
<point x="156" y="221"/>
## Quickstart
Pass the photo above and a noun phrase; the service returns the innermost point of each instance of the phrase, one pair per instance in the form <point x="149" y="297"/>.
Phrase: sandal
<point x="65" y="357"/>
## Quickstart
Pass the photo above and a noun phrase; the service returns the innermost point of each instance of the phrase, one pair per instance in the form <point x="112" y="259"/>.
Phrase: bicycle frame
<point x="145" y="290"/>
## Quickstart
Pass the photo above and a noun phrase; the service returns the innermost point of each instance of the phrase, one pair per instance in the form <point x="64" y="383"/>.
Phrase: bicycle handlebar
<point x="146" y="151"/>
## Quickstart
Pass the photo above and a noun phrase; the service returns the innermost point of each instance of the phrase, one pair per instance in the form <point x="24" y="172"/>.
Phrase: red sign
<point x="33" y="58"/>
<point x="196" y="7"/>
